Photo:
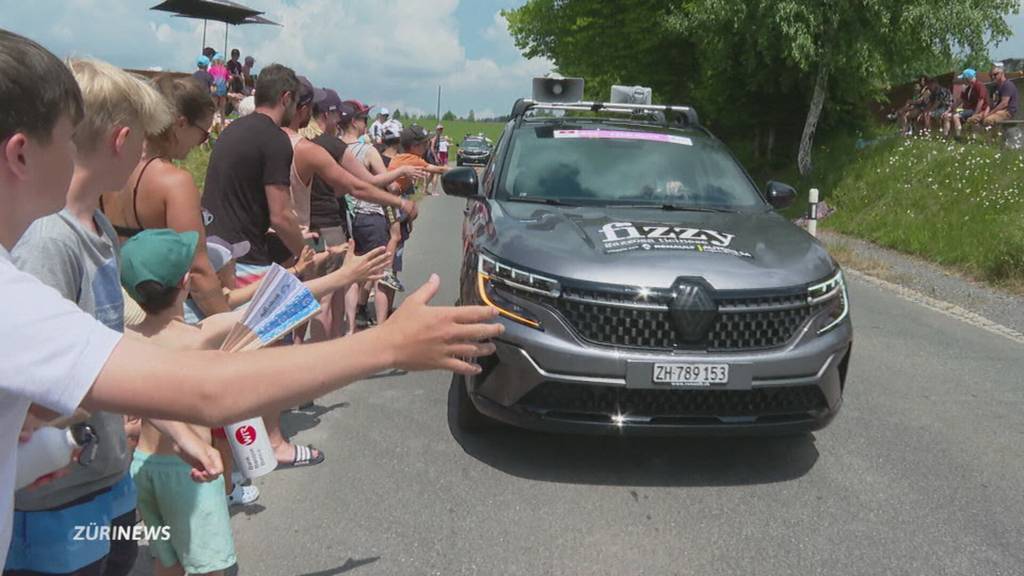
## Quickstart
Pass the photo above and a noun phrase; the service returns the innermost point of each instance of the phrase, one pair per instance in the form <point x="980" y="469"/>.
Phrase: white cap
<point x="246" y="106"/>
<point x="385" y="112"/>
<point x="220" y="251"/>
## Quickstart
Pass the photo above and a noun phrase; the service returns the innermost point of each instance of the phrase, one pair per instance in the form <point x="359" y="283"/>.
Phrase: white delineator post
<point x="812" y="216"/>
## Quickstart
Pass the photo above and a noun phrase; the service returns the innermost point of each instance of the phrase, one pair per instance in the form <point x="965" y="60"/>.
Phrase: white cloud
<point x="392" y="52"/>
<point x="497" y="31"/>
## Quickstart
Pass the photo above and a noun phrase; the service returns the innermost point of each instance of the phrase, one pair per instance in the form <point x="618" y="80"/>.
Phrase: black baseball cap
<point x="326" y="100"/>
<point x="414" y="133"/>
<point x="306" y="92"/>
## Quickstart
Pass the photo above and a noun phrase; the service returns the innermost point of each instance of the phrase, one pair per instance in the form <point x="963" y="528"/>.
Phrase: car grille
<point x="581" y="401"/>
<point x="746" y="323"/>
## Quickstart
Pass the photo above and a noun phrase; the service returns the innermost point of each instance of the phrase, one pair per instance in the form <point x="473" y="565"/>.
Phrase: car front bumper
<point x="551" y="380"/>
<point x="476" y="160"/>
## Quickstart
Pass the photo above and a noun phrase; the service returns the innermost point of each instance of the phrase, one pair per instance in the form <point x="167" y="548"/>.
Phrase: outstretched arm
<point x="184" y="213"/>
<point x="212" y="387"/>
<point x="380" y="179"/>
<point x="344" y="182"/>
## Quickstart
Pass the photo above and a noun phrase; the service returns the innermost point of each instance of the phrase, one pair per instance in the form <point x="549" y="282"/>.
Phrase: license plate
<point x="691" y="374"/>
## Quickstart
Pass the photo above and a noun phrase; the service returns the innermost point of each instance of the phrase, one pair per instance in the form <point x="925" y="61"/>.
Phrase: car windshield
<point x="473" y="145"/>
<point x="625" y="164"/>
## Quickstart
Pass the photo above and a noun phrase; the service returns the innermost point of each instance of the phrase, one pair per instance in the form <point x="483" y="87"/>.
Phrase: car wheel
<point x="458" y="162"/>
<point x="461" y="407"/>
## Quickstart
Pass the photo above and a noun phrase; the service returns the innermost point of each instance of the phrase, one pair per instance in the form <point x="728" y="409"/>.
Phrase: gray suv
<point x="645" y="282"/>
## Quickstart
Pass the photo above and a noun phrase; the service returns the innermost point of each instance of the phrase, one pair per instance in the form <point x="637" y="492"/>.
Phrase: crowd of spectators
<point x="121" y="282"/>
<point x="967" y="103"/>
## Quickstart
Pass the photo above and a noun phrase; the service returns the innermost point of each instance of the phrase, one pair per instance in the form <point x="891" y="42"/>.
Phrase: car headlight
<point x="832" y="293"/>
<point x="492" y="276"/>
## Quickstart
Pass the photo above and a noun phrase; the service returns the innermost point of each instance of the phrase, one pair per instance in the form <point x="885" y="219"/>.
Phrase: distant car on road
<point x="473" y="151"/>
<point x="645" y="282"/>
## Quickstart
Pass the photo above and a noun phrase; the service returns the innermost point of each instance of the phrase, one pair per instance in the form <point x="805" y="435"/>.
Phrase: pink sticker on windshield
<point x="623" y="135"/>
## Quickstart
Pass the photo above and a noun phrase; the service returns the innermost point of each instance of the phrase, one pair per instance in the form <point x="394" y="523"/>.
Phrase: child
<point x="75" y="252"/>
<point x="414" y="142"/>
<point x="155" y="272"/>
<point x="220" y="87"/>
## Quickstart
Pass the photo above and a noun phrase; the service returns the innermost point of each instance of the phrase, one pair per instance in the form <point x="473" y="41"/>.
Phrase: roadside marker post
<point x="812" y="216"/>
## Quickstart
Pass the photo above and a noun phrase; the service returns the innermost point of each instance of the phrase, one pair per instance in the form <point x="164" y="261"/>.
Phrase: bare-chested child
<point x="155" y="272"/>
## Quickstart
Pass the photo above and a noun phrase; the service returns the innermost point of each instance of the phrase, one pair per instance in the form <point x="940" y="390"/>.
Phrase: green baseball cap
<point x="159" y="255"/>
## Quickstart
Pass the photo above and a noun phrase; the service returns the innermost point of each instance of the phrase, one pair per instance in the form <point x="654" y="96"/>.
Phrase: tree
<point x="449" y="116"/>
<point x="752" y="63"/>
<point x="397" y="114"/>
<point x="608" y="42"/>
<point x="858" y="47"/>
<point x="472" y="116"/>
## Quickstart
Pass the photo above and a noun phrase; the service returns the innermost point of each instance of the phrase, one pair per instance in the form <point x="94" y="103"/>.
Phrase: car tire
<point x="458" y="162"/>
<point x="462" y="410"/>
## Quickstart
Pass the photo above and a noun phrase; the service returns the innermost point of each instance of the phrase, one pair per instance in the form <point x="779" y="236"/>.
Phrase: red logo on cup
<point x="245" y="435"/>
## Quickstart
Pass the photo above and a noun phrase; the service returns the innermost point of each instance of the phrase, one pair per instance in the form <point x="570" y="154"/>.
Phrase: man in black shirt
<point x="234" y="66"/>
<point x="324" y="215"/>
<point x="247" y="183"/>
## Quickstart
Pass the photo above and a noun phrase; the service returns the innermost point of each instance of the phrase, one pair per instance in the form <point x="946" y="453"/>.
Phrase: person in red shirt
<point x="973" y="100"/>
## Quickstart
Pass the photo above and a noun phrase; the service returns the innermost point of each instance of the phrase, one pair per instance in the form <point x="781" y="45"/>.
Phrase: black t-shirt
<point x="204" y="78"/>
<point x="324" y="207"/>
<point x="234" y="67"/>
<point x="251" y="153"/>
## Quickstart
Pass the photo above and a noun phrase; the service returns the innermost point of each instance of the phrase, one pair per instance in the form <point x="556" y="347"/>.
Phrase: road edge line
<point x="947" y="308"/>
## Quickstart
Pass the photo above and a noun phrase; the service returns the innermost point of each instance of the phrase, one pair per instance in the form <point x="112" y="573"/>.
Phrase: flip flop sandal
<point x="304" y="457"/>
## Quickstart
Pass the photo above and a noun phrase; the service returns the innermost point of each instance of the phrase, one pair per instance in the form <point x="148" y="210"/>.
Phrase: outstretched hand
<point x="436" y="337"/>
<point x="305" y="265"/>
<point x="413" y="172"/>
<point x="204" y="459"/>
<point x="369" y="267"/>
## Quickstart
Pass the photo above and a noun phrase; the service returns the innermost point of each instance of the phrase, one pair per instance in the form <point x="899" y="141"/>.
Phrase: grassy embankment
<point x="960" y="205"/>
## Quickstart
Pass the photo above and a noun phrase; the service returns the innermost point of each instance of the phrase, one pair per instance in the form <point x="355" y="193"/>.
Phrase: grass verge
<point x="958" y="205"/>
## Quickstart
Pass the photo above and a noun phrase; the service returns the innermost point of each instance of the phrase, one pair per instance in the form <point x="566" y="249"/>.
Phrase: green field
<point x="457" y="129"/>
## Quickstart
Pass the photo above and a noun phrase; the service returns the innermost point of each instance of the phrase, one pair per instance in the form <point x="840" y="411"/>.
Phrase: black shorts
<point x="369" y="231"/>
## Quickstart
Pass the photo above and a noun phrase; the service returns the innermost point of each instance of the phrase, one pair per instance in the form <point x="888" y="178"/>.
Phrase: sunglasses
<point x="206" y="133"/>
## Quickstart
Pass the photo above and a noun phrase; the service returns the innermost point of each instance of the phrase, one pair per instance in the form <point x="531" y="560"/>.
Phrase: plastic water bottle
<point x="250" y="446"/>
<point x="48" y="450"/>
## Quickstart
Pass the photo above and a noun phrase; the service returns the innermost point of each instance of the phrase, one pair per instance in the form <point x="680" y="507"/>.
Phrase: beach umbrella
<point x="224" y="11"/>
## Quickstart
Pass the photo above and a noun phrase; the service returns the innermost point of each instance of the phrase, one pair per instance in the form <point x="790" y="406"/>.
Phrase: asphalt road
<point x="921" y="473"/>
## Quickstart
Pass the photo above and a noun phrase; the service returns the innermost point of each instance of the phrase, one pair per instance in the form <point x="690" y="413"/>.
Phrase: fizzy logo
<point x="245" y="435"/>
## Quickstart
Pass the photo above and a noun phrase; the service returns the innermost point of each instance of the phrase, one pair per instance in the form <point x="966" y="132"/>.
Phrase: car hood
<point x="652" y="248"/>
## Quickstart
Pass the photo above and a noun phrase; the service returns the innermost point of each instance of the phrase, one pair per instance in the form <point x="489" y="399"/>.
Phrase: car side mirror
<point x="462" y="182"/>
<point x="780" y="195"/>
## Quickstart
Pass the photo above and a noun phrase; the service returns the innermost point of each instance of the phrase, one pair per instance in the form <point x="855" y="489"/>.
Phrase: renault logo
<point x="692" y="311"/>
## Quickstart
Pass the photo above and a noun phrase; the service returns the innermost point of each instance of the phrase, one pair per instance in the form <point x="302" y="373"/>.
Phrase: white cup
<point x="250" y="446"/>
<point x="48" y="450"/>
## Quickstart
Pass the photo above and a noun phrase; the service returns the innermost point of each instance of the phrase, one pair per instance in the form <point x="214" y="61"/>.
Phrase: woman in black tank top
<point x="161" y="195"/>
<point x="126" y="232"/>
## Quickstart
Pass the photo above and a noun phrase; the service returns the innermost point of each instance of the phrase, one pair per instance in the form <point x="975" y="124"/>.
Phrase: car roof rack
<point x="524" y="105"/>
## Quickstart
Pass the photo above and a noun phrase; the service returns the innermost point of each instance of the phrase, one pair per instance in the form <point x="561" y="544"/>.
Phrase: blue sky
<point x="384" y="52"/>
